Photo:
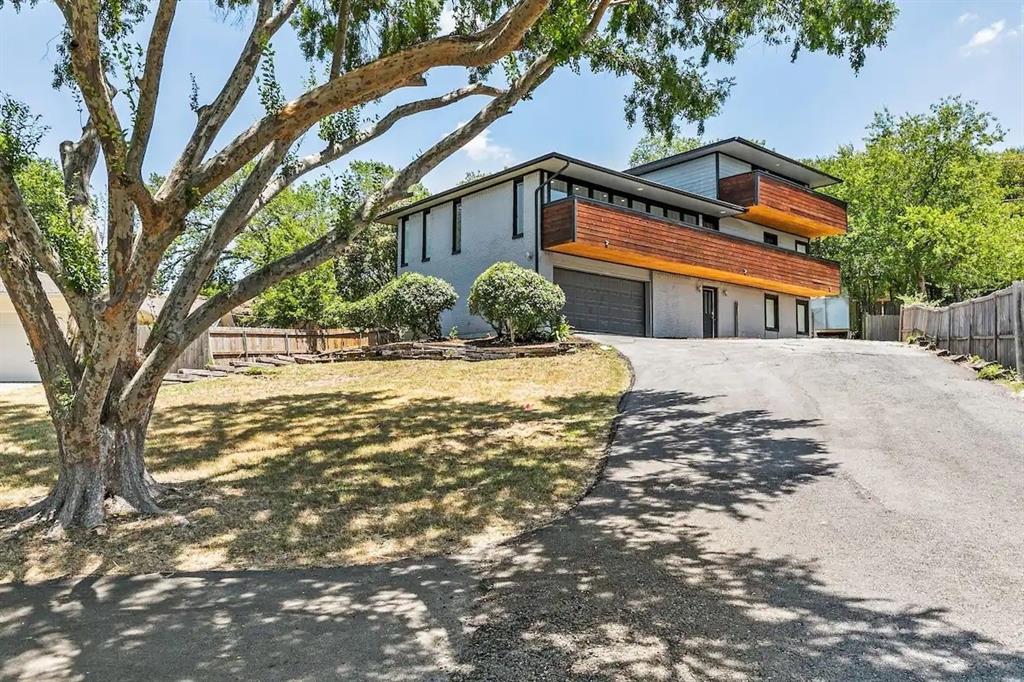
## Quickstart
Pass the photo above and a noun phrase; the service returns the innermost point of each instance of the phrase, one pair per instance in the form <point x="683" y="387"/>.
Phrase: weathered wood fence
<point x="991" y="327"/>
<point x="225" y="343"/>
<point x="246" y="342"/>
<point x="881" y="328"/>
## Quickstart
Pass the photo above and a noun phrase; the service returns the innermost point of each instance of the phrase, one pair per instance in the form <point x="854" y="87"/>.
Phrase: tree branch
<point x="334" y="151"/>
<point x="369" y="82"/>
<point x="19" y="228"/>
<point x="340" y="38"/>
<point x="149" y="87"/>
<point x="213" y="116"/>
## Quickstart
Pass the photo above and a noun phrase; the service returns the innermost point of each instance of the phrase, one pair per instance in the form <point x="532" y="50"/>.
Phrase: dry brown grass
<point x="332" y="464"/>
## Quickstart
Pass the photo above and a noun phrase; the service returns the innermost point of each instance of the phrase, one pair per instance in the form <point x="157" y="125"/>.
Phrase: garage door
<point x="16" y="363"/>
<point x="597" y="303"/>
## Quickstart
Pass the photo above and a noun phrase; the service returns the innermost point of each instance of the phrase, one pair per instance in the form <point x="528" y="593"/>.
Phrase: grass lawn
<point x="317" y="465"/>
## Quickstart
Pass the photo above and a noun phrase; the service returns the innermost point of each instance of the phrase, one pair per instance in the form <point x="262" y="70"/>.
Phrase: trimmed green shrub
<point x="412" y="304"/>
<point x="519" y="303"/>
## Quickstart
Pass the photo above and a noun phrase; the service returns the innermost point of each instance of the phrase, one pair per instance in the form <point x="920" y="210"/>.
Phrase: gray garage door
<point x="596" y="303"/>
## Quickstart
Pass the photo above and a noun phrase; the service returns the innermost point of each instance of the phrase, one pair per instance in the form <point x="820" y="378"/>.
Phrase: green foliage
<point x="42" y="186"/>
<point x="991" y="372"/>
<point x="654" y="146"/>
<point x="519" y="303"/>
<point x="20" y="133"/>
<point x="409" y="305"/>
<point x="927" y="207"/>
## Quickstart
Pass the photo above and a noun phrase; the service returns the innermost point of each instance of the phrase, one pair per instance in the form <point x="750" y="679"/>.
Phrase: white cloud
<point x="965" y="17"/>
<point x="481" y="148"/>
<point x="984" y="37"/>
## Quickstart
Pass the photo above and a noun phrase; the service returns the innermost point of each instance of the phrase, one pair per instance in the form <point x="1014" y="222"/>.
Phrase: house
<point x="709" y="243"/>
<point x="16" y="361"/>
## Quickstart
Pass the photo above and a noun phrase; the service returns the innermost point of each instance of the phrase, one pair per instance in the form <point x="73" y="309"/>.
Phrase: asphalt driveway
<point x="798" y="509"/>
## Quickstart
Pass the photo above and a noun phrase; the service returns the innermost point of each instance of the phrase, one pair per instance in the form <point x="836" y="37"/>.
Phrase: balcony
<point x="784" y="205"/>
<point x="592" y="229"/>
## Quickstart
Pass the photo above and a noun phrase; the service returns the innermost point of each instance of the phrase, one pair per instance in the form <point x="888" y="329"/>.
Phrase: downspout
<point x="537" y="216"/>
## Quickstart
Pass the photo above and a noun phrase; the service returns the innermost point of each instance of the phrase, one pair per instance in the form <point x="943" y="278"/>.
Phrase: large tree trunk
<point x="97" y="469"/>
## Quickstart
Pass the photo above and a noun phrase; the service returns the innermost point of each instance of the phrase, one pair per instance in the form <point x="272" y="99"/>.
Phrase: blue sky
<point x="802" y="109"/>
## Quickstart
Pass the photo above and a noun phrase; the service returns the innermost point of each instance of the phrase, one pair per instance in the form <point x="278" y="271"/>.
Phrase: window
<point x="639" y="206"/>
<point x="423" y="255"/>
<point x="457" y="226"/>
<point x="690" y="218"/>
<point x="770" y="238"/>
<point x="771" y="313"/>
<point x="802" y="318"/>
<point x="404" y="238"/>
<point x="601" y="195"/>
<point x="620" y="200"/>
<point x="518" y="208"/>
<point x="801" y="247"/>
<point x="709" y="222"/>
<point x="657" y="211"/>
<point x="581" y="191"/>
<point x="674" y="215"/>
<point x="558" y="189"/>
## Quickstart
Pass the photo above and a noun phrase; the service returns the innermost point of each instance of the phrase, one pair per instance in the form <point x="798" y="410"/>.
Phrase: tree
<point x="101" y="392"/>
<point x="928" y="207"/>
<point x="654" y="146"/>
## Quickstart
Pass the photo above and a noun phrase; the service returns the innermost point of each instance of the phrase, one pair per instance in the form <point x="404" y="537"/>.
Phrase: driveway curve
<point x="800" y="509"/>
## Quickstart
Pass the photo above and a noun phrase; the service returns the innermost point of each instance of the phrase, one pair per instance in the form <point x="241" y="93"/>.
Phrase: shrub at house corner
<point x="520" y="304"/>
<point x="409" y="305"/>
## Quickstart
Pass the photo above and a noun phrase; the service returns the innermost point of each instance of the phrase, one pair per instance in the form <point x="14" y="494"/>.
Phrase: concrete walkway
<point x="771" y="510"/>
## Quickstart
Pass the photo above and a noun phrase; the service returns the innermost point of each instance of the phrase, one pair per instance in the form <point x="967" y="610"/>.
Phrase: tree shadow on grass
<point x="342" y="477"/>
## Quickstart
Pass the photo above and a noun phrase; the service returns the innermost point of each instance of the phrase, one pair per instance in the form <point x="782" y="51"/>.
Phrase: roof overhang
<point x="752" y="153"/>
<point x="580" y="170"/>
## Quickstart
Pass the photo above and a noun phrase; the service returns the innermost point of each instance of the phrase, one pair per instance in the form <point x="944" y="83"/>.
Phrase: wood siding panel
<point x="612" y="234"/>
<point x="777" y="203"/>
<point x="558" y="224"/>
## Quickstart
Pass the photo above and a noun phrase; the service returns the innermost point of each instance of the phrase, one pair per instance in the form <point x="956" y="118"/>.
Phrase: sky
<point x="803" y="109"/>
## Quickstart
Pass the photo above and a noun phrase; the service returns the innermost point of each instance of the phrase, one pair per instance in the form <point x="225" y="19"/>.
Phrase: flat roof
<point x="579" y="170"/>
<point x="752" y="153"/>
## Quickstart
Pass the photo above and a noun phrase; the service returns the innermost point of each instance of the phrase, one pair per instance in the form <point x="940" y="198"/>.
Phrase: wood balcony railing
<point x="778" y="203"/>
<point x="592" y="229"/>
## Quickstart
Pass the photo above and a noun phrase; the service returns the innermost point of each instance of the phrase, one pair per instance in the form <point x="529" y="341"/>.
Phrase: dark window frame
<point x="806" y="317"/>
<point x="775" y="300"/>
<point x="518" y="230"/>
<point x="456" y="226"/>
<point x="424" y="258"/>
<point x="703" y="219"/>
<point x="403" y="253"/>
<point x="806" y="245"/>
<point x="771" y="239"/>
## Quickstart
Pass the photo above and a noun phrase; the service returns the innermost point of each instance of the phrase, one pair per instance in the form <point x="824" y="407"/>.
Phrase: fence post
<point x="1018" y="325"/>
<point x="245" y="345"/>
<point x="949" y="329"/>
<point x="970" y="327"/>
<point x="287" y="346"/>
<point x="995" y="326"/>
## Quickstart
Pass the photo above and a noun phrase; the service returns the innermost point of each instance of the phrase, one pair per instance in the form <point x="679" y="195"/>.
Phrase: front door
<point x="710" y="312"/>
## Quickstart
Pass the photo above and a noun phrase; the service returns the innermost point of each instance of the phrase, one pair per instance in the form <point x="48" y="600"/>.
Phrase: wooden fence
<point x="991" y="327"/>
<point x="248" y="342"/>
<point x="243" y="343"/>
<point x="881" y="328"/>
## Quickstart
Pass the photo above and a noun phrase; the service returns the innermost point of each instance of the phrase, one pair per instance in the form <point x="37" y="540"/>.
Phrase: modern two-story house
<point x="709" y="243"/>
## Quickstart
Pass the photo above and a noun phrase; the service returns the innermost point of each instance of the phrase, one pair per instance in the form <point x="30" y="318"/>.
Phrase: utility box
<point x="830" y="316"/>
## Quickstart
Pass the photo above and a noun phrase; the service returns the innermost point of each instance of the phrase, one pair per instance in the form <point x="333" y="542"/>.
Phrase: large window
<point x="801" y="247"/>
<point x="771" y="313"/>
<point x="425" y="254"/>
<point x="518" y="208"/>
<point x="803" y="322"/>
<point x="558" y="189"/>
<point x="457" y="226"/>
<point x="403" y="237"/>
<point x="770" y="238"/>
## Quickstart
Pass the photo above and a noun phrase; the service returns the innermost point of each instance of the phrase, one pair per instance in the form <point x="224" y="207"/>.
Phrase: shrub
<point x="412" y="303"/>
<point x="359" y="315"/>
<point x="518" y="303"/>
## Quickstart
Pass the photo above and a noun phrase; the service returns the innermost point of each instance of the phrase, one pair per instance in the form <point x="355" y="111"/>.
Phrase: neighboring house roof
<point x="581" y="170"/>
<point x="752" y="153"/>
